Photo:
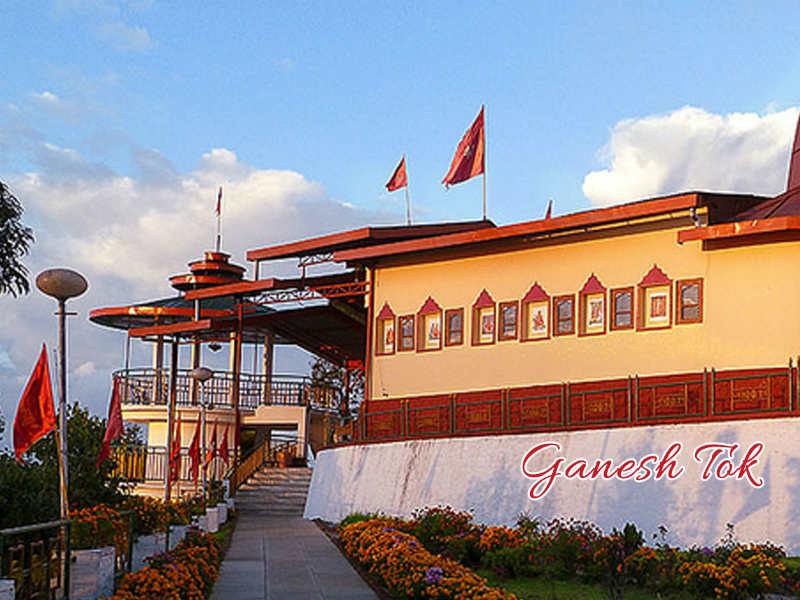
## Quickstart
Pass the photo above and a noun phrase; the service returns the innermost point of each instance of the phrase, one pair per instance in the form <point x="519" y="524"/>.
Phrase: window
<point x="655" y="300"/>
<point x="406" y="326"/>
<point x="690" y="301"/>
<point x="454" y="327"/>
<point x="535" y="314"/>
<point x="429" y="321"/>
<point x="508" y="321"/>
<point x="622" y="308"/>
<point x="564" y="315"/>
<point x="384" y="331"/>
<point x="592" y="308"/>
<point x="483" y="320"/>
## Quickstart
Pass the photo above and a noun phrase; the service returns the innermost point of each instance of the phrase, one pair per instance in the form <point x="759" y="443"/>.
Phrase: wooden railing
<point x="149" y="387"/>
<point x="695" y="397"/>
<point x="271" y="452"/>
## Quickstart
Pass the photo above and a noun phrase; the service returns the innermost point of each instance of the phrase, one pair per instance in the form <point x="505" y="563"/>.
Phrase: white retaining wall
<point x="483" y="475"/>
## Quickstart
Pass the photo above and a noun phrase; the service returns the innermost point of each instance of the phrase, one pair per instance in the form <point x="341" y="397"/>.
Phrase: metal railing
<point x="146" y="464"/>
<point x="150" y="387"/>
<point x="37" y="558"/>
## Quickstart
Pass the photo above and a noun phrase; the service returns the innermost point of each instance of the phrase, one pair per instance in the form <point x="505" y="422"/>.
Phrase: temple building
<point x="612" y="332"/>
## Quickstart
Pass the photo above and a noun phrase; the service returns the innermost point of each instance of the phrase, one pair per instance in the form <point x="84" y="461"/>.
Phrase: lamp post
<point x="62" y="284"/>
<point x="203" y="374"/>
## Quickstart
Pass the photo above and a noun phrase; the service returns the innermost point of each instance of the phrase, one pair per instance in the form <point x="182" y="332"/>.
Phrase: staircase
<point x="275" y="492"/>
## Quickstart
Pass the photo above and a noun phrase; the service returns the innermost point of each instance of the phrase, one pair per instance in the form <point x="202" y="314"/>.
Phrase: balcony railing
<point x="143" y="464"/>
<point x="150" y="387"/>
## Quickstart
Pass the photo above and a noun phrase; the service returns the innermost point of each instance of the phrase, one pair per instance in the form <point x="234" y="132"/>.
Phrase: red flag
<point x="194" y="452"/>
<point x="211" y="452"/>
<point x="237" y="431"/>
<point x="219" y="201"/>
<point x="468" y="160"/>
<point x="175" y="453"/>
<point x="794" y="161"/>
<point x="549" y="213"/>
<point x="36" y="416"/>
<point x="114" y="427"/>
<point x="223" y="446"/>
<point x="398" y="179"/>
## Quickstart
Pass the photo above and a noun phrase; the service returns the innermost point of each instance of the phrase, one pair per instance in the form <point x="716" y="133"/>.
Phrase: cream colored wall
<point x="751" y="299"/>
<point x="157" y="425"/>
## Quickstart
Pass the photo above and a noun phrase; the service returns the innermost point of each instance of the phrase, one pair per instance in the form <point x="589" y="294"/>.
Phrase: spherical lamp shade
<point x="61" y="283"/>
<point x="202" y="374"/>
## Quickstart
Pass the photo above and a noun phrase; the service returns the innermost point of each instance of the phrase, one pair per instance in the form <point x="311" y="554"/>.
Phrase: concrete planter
<point x="92" y="573"/>
<point x="146" y="545"/>
<point x="201" y="523"/>
<point x="7" y="589"/>
<point x="231" y="504"/>
<point x="222" y="507"/>
<point x="176" y="535"/>
<point x="212" y="519"/>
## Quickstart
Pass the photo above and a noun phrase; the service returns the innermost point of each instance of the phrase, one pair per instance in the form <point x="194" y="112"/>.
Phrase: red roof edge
<point x="599" y="216"/>
<point x="364" y="236"/>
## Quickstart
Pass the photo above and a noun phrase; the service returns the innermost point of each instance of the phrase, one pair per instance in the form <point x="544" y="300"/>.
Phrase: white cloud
<point x="128" y="234"/>
<point x="46" y="97"/>
<point x="86" y="369"/>
<point x="692" y="149"/>
<point x="125" y="37"/>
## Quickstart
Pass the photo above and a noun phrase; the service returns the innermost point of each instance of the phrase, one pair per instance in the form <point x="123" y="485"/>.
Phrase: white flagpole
<point x="408" y="200"/>
<point x="484" y="162"/>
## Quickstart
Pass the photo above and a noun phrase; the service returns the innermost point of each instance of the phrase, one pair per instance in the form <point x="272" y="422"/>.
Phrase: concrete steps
<point x="275" y="492"/>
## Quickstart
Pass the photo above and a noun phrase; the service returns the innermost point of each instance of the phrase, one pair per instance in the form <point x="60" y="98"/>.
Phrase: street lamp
<point x="202" y="374"/>
<point x="62" y="284"/>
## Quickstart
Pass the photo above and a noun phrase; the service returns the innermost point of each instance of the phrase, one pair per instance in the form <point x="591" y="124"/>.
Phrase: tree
<point x="29" y="492"/>
<point x="15" y="241"/>
<point x="324" y="372"/>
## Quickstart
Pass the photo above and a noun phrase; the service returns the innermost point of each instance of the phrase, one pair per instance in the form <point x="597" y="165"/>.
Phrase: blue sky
<point x="118" y="119"/>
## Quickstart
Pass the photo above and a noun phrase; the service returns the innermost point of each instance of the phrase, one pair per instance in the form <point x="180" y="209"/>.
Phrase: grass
<point x="536" y="588"/>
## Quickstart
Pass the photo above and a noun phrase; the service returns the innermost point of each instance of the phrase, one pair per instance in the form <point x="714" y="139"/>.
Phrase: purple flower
<point x="434" y="575"/>
<point x="707" y="551"/>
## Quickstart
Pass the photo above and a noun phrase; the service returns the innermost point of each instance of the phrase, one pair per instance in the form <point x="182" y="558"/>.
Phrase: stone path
<point x="285" y="558"/>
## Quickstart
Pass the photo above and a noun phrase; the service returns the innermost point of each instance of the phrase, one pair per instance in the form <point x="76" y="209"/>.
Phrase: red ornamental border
<point x="704" y="396"/>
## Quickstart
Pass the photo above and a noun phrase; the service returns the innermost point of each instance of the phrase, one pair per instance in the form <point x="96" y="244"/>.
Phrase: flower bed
<point x="428" y="556"/>
<point x="186" y="573"/>
<point x="407" y="569"/>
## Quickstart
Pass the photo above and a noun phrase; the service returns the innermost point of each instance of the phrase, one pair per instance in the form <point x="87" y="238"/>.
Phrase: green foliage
<point x="29" y="492"/>
<point x="15" y="241"/>
<point x="357" y="517"/>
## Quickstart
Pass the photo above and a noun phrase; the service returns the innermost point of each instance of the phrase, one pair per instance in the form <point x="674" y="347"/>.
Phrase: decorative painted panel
<point x="429" y="415"/>
<point x="479" y="411"/>
<point x="599" y="402"/>
<point x="671" y="397"/>
<point x="535" y="407"/>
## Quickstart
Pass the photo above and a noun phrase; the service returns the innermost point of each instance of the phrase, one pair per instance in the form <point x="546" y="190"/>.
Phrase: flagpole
<point x="484" y="161"/>
<point x="408" y="200"/>
<point x="219" y="219"/>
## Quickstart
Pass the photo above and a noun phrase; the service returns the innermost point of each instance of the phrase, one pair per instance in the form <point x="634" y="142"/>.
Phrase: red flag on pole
<point x="36" y="416"/>
<point x="194" y="453"/>
<point x="549" y="213"/>
<point x="212" y="448"/>
<point x="114" y="427"/>
<point x="223" y="446"/>
<point x="219" y="201"/>
<point x="468" y="159"/>
<point x="175" y="453"/>
<point x="398" y="179"/>
<point x="237" y="432"/>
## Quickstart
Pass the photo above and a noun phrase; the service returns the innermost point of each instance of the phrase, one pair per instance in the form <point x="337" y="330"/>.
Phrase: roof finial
<point x="794" y="161"/>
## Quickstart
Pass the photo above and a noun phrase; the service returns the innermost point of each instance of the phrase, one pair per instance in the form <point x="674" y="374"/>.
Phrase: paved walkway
<point x="286" y="558"/>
